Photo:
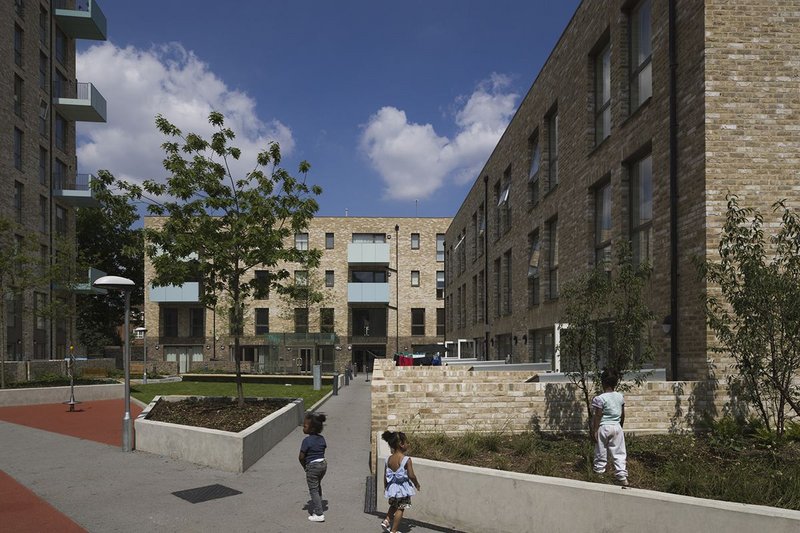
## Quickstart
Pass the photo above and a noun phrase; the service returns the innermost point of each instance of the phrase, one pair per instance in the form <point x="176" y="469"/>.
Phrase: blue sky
<point x="396" y="105"/>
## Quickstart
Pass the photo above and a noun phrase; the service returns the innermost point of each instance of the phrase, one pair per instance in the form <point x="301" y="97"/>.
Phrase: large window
<point x="534" y="262"/>
<point x="262" y="321"/>
<point x="43" y="160"/>
<point x="262" y="285"/>
<point x="61" y="46"/>
<point x="602" y="94"/>
<point x="553" y="258"/>
<point x="329" y="278"/>
<point x="641" y="180"/>
<point x="43" y="214"/>
<point x="18" y="39"/>
<point x="552" y="150"/>
<point x="326" y="320"/>
<point x="507" y="287"/>
<point x="440" y="325"/>
<point x="541" y="345"/>
<point x="19" y="200"/>
<point x="43" y="68"/>
<point x="418" y="321"/>
<point x="301" y="241"/>
<point x="415" y="241"/>
<point x="602" y="227"/>
<point x="39" y="305"/>
<point x="440" y="246"/>
<point x="369" y="238"/>
<point x="533" y="172"/>
<point x="197" y="317"/>
<point x="61" y="221"/>
<point x="415" y="278"/>
<point x="61" y="133"/>
<point x="439" y="284"/>
<point x="301" y="320"/>
<point x="641" y="74"/>
<point x="367" y="276"/>
<point x="170" y="320"/>
<point x="301" y="278"/>
<point x="329" y="241"/>
<point x="18" y="148"/>
<point x="44" y="18"/>
<point x="18" y="84"/>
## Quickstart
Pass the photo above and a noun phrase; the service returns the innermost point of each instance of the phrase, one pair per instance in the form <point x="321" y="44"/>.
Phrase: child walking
<point x="608" y="417"/>
<point x="312" y="458"/>
<point x="398" y="480"/>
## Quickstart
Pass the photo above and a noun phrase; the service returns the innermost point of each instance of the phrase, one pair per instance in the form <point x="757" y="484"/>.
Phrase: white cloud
<point x="414" y="161"/>
<point x="168" y="80"/>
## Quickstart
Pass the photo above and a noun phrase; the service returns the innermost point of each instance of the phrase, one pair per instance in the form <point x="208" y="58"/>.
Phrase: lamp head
<point x="116" y="283"/>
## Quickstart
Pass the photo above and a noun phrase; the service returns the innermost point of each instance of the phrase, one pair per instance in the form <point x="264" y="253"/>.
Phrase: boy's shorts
<point x="400" y="503"/>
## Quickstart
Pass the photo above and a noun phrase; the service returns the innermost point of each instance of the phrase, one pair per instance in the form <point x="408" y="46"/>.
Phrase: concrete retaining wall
<point x="223" y="450"/>
<point x="480" y="499"/>
<point x="83" y="393"/>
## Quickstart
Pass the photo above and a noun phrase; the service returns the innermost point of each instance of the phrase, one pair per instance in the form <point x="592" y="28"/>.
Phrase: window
<point x="534" y="262"/>
<point x="415" y="278"/>
<point x="197" y="322"/>
<point x="440" y="325"/>
<point x="602" y="94"/>
<point x="301" y="241"/>
<point x="367" y="276"/>
<point x="19" y="200"/>
<point x="61" y="85"/>
<point x="504" y="207"/>
<point x="262" y="321"/>
<point x="60" y="176"/>
<point x="602" y="227"/>
<point x="369" y="238"/>
<point x="43" y="214"/>
<point x="43" y="109"/>
<point x="44" y="259"/>
<point x="498" y="284"/>
<point x="533" y="173"/>
<point x="18" y="148"/>
<point x="262" y="281"/>
<point x="418" y="322"/>
<point x="42" y="166"/>
<point x="170" y="318"/>
<point x="440" y="284"/>
<point x="61" y="46"/>
<point x="43" y="64"/>
<point x="61" y="221"/>
<point x="641" y="79"/>
<point x="17" y="95"/>
<point x="326" y="322"/>
<point x="507" y="287"/>
<point x="641" y="180"/>
<point x="19" y="7"/>
<point x="329" y="241"/>
<point x="43" y="23"/>
<point x="440" y="246"/>
<point x="553" y="263"/>
<point x="61" y="133"/>
<point x="481" y="230"/>
<point x="541" y="345"/>
<point x="552" y="150"/>
<point x="329" y="278"/>
<point x="18" y="45"/>
<point x="301" y="278"/>
<point x="301" y="320"/>
<point x="39" y="310"/>
<point x="415" y="241"/>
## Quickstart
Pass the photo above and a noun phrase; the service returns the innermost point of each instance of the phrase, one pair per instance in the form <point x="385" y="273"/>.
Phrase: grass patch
<point x="745" y="469"/>
<point x="146" y="393"/>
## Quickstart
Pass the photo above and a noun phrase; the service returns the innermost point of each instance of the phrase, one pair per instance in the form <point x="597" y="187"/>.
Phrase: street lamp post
<point x="396" y="288"/>
<point x="143" y="332"/>
<point x="125" y="285"/>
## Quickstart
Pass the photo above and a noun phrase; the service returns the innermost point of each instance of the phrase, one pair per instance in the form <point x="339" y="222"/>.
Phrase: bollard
<point x="317" y="377"/>
<point x="347" y="376"/>
<point x="335" y="384"/>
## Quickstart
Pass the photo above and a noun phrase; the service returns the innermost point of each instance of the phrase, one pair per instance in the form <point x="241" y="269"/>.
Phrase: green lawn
<point x="146" y="393"/>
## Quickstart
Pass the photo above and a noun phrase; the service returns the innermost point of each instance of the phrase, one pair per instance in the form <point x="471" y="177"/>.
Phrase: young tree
<point x="607" y="323"/>
<point x="307" y="291"/>
<point x="756" y="312"/>
<point x="229" y="224"/>
<point x="108" y="241"/>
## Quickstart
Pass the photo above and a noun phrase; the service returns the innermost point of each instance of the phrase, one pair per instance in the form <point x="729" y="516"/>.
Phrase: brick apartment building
<point x="383" y="281"/>
<point x="645" y="116"/>
<point x="40" y="102"/>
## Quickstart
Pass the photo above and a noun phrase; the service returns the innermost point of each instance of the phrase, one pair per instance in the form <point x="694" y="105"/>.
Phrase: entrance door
<point x="306" y="360"/>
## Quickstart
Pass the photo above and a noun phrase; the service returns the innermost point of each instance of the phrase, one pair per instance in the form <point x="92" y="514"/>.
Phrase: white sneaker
<point x="317" y="517"/>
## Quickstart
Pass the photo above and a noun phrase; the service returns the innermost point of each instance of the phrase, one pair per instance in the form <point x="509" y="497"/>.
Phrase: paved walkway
<point x="67" y="483"/>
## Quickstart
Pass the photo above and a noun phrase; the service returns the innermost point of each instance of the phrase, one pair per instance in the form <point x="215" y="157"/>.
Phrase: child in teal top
<point x="608" y="417"/>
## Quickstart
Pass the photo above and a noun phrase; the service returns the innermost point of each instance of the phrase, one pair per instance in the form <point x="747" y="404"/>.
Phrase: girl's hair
<point x="316" y="421"/>
<point x="394" y="438"/>
<point x="609" y="378"/>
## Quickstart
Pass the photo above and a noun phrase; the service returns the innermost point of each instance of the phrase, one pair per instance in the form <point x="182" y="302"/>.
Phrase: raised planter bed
<point x="223" y="450"/>
<point x="41" y="395"/>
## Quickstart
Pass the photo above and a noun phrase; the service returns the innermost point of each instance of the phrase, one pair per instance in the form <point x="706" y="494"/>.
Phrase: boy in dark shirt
<point x="312" y="458"/>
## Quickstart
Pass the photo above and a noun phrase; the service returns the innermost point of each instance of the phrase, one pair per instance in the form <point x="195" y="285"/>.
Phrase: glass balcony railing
<point x="81" y="19"/>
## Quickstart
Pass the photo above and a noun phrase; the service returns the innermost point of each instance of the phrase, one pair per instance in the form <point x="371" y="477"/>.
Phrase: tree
<point x="218" y="227"/>
<point x="607" y="323"/>
<point x="108" y="241"/>
<point x="756" y="312"/>
<point x="307" y="291"/>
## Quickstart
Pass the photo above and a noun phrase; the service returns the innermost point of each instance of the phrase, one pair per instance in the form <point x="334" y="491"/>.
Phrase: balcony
<point x="368" y="293"/>
<point x="189" y="292"/>
<point x="88" y="288"/>
<point x="367" y="253"/>
<point x="75" y="190"/>
<point x="80" y="102"/>
<point x="81" y="19"/>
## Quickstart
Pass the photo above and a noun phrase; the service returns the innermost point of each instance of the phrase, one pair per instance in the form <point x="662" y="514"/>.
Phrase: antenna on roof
<point x="345" y="211"/>
<point x="416" y="208"/>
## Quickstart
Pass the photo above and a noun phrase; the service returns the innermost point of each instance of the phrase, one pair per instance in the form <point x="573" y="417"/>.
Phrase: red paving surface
<point x="21" y="510"/>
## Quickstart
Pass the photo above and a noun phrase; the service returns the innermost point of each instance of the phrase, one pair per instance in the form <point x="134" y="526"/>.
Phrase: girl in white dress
<point x="399" y="482"/>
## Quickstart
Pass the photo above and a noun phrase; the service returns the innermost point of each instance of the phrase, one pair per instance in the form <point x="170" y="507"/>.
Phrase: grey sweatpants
<point x="611" y="441"/>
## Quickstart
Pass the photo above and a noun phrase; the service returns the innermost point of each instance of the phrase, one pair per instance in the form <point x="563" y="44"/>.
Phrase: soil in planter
<point x="216" y="413"/>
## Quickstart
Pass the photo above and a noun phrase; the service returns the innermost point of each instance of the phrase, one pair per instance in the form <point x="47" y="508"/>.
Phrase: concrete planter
<point x="482" y="499"/>
<point x="41" y="395"/>
<point x="223" y="450"/>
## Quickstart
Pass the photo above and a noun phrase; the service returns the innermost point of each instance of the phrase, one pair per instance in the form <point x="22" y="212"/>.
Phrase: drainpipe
<point x="673" y="189"/>
<point x="486" y="266"/>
